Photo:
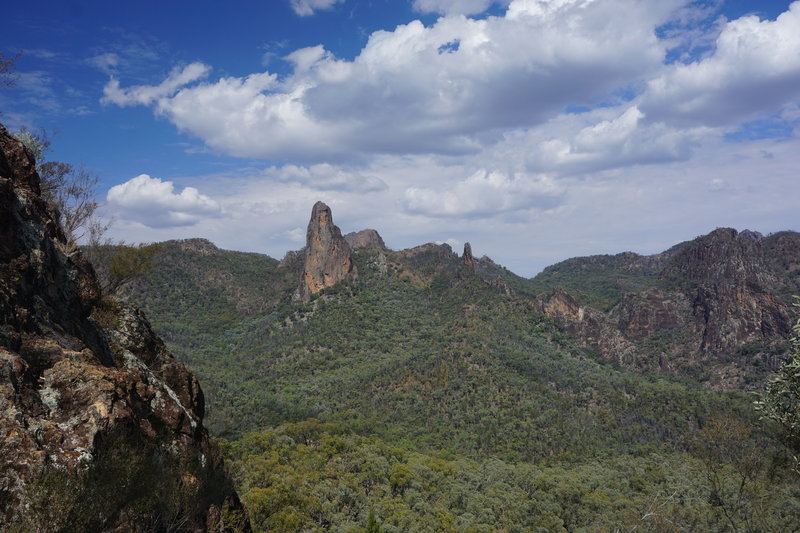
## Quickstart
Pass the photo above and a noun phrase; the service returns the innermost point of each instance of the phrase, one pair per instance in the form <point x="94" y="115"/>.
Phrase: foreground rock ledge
<point x="101" y="429"/>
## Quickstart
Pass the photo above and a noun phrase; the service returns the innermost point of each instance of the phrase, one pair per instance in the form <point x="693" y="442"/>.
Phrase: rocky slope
<point x="101" y="429"/>
<point x="715" y="308"/>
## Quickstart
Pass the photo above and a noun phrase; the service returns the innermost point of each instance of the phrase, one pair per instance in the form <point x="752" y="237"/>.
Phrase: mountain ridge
<point x="424" y="355"/>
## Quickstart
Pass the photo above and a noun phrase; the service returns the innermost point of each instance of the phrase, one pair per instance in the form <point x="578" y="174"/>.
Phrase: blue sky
<point x="535" y="129"/>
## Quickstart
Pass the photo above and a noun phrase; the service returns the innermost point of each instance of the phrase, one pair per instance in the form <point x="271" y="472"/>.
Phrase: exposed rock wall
<point x="469" y="261"/>
<point x="367" y="238"/>
<point x="591" y="327"/>
<point x="715" y="312"/>
<point x="78" y="372"/>
<point x="327" y="255"/>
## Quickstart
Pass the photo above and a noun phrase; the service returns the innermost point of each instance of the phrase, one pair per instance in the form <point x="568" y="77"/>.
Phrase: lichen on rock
<point x="93" y="408"/>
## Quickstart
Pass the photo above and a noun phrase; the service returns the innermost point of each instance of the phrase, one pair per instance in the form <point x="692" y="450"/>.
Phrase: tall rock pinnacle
<point x="327" y="259"/>
<point x="467" y="257"/>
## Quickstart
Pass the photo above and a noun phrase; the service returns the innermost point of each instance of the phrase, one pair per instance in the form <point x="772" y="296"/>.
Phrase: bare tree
<point x="69" y="189"/>
<point x="8" y="75"/>
<point x="118" y="263"/>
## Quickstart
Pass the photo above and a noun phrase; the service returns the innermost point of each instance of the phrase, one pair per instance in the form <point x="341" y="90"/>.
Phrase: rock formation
<point x="327" y="255"/>
<point x="467" y="256"/>
<point x="711" y="297"/>
<point x="732" y="290"/>
<point x="100" y="427"/>
<point x="368" y="238"/>
<point x="592" y="327"/>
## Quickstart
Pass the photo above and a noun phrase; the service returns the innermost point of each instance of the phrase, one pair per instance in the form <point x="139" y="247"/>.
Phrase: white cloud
<point x="447" y="88"/>
<point x="107" y="62"/>
<point x="484" y="194"/>
<point x="37" y="88"/>
<point x="754" y="68"/>
<point x="559" y="101"/>
<point x="621" y="139"/>
<point x="154" y="203"/>
<point x="461" y="85"/>
<point x="645" y="211"/>
<point x="327" y="177"/>
<point x="306" y="8"/>
<point x="446" y="7"/>
<point x="297" y="235"/>
<point x="148" y="94"/>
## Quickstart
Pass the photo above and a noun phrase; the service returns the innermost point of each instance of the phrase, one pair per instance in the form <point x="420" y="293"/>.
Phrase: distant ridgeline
<point x="438" y="392"/>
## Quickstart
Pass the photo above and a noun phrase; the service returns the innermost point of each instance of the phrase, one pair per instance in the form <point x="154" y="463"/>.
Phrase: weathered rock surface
<point x="467" y="256"/>
<point x="441" y="251"/>
<point x="718" y="308"/>
<point x="327" y="254"/>
<point x="590" y="326"/>
<point x="101" y="429"/>
<point x="367" y="238"/>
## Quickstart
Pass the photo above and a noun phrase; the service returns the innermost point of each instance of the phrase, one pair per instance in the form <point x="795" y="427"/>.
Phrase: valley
<point x="424" y="357"/>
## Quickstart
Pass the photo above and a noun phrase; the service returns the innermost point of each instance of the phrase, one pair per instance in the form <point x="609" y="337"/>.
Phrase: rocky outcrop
<point x="717" y="308"/>
<point x="592" y="328"/>
<point x="440" y="251"/>
<point x="327" y="254"/>
<point x="467" y="258"/>
<point x="368" y="238"/>
<point x="732" y="290"/>
<point x="101" y="428"/>
<point x="198" y="246"/>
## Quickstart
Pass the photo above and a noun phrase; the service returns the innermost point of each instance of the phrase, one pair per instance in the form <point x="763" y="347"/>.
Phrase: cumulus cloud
<point x="418" y="89"/>
<point x="486" y="193"/>
<point x="446" y="7"/>
<point x="297" y="235"/>
<point x="148" y="94"/>
<point x="754" y="67"/>
<point x="327" y="177"/>
<point x="305" y="8"/>
<point x="622" y="140"/>
<point x="548" y="93"/>
<point x="155" y="203"/>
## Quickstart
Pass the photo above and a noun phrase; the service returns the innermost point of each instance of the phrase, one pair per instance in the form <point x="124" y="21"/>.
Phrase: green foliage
<point x="781" y="399"/>
<point x="120" y="264"/>
<point x="426" y="396"/>
<point x="598" y="281"/>
<point x="343" y="482"/>
<point x="372" y="524"/>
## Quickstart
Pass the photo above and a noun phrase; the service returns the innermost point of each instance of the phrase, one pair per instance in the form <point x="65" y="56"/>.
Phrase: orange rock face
<point x="327" y="255"/>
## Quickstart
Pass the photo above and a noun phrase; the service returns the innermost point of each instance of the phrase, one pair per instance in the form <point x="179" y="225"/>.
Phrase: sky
<point x="536" y="130"/>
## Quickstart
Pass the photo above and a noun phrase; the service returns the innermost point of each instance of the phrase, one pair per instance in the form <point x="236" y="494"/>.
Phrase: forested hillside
<point x="432" y="392"/>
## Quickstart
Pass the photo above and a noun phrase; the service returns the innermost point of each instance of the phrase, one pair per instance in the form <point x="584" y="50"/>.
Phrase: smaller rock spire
<point x="467" y="256"/>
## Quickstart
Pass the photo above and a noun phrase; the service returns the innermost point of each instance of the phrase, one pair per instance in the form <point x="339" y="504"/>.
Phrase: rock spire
<point x="467" y="256"/>
<point x="327" y="256"/>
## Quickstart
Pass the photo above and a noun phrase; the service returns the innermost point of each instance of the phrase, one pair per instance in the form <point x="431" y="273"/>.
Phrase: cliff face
<point x="367" y="238"/>
<point x="467" y="258"/>
<point x="100" y="427"/>
<point x="327" y="255"/>
<point x="717" y="309"/>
